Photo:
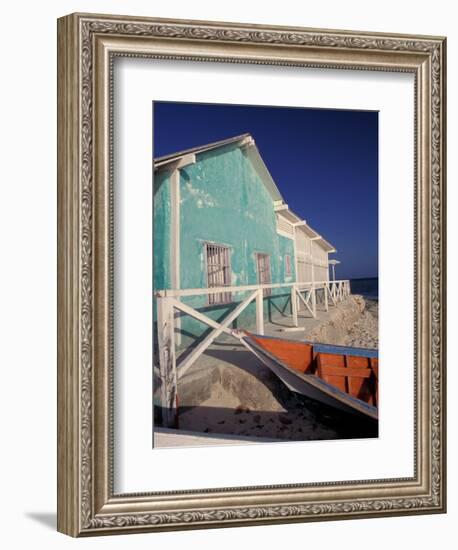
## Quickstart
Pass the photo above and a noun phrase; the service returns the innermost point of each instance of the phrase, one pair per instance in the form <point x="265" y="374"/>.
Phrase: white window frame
<point x="260" y="272"/>
<point x="221" y="275"/>
<point x="288" y="271"/>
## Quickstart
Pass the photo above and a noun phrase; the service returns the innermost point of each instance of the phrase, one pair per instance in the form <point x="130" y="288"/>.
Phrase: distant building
<point x="220" y="221"/>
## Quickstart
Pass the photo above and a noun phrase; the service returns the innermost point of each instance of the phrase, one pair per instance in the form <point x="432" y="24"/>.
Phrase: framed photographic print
<point x="251" y="274"/>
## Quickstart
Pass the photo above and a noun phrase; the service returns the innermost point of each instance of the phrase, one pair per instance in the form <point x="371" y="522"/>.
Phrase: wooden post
<point x="294" y="306"/>
<point x="260" y="312"/>
<point x="167" y="362"/>
<point x="306" y="301"/>
<point x="313" y="291"/>
<point x="330" y="289"/>
<point x="326" y="305"/>
<point x="175" y="242"/>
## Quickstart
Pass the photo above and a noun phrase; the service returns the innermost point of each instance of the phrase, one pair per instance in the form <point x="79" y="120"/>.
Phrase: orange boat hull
<point x="346" y="376"/>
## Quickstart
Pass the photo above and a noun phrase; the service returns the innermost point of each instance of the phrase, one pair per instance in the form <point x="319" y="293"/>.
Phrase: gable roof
<point x="255" y="156"/>
<point x="242" y="140"/>
<point x="161" y="161"/>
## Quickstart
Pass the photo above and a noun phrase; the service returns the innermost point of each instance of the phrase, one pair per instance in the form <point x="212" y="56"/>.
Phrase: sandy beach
<point x="364" y="333"/>
<point x="296" y="419"/>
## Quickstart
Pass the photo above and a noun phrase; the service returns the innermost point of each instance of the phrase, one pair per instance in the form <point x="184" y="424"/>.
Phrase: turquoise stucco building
<point x="220" y="221"/>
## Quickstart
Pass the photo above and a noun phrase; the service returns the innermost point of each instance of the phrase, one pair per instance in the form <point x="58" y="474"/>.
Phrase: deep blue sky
<point x="324" y="162"/>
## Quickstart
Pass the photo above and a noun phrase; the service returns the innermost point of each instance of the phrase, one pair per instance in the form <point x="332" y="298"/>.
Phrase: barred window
<point x="287" y="265"/>
<point x="263" y="270"/>
<point x="218" y="272"/>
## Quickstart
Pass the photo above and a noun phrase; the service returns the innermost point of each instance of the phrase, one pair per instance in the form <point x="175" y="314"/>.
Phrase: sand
<point x="364" y="333"/>
<point x="290" y="420"/>
<point x="300" y="419"/>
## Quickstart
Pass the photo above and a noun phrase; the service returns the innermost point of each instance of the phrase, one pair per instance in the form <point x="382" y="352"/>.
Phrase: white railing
<point x="169" y="300"/>
<point x="333" y="290"/>
<point x="337" y="288"/>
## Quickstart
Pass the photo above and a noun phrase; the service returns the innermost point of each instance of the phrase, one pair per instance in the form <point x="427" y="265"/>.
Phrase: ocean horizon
<point x="367" y="287"/>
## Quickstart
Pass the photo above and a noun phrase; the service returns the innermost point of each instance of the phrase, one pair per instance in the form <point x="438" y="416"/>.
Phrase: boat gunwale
<point x="326" y="348"/>
<point x="331" y="391"/>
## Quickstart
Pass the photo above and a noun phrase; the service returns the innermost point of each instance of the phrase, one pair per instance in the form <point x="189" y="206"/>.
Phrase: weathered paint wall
<point x="161" y="230"/>
<point x="223" y="201"/>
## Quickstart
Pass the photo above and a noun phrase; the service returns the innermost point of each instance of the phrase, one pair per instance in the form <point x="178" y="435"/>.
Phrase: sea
<point x="366" y="287"/>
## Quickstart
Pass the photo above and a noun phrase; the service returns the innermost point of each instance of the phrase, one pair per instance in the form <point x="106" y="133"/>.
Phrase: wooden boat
<point x="343" y="377"/>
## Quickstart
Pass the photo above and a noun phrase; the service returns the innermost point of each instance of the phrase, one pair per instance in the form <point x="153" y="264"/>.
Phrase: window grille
<point x="263" y="269"/>
<point x="287" y="265"/>
<point x="218" y="272"/>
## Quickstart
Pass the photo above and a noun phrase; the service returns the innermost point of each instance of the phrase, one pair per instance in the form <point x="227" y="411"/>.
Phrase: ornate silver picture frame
<point x="87" y="46"/>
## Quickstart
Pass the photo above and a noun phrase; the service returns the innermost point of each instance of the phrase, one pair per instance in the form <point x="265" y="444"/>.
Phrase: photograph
<point x="265" y="274"/>
<point x="251" y="216"/>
